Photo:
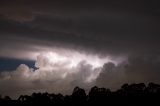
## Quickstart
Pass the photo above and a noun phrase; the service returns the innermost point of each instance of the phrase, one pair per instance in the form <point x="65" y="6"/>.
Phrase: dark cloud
<point x="126" y="31"/>
<point x="139" y="68"/>
<point x="113" y="26"/>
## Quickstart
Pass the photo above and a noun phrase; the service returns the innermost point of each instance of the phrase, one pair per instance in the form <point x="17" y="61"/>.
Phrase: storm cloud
<point x="125" y="32"/>
<point x="112" y="27"/>
<point x="139" y="68"/>
<point x="53" y="73"/>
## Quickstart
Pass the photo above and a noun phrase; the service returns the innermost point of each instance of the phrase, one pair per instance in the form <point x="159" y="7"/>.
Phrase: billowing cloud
<point x="138" y="68"/>
<point x="54" y="73"/>
<point x="103" y="34"/>
<point x="59" y="73"/>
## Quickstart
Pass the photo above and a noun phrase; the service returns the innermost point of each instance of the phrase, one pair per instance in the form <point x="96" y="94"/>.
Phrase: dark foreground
<point x="127" y="95"/>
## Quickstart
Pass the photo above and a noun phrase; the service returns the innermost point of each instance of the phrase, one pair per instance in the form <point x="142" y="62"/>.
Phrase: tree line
<point x="128" y="94"/>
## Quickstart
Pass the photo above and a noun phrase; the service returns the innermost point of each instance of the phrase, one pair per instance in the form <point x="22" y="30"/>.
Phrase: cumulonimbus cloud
<point x="62" y="76"/>
<point x="54" y="73"/>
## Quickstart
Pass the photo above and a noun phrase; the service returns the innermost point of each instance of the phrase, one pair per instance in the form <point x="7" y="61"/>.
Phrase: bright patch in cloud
<point x="68" y="60"/>
<point x="57" y="71"/>
<point x="67" y="63"/>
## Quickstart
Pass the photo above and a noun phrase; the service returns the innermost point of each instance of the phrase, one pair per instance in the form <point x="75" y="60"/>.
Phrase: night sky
<point x="55" y="45"/>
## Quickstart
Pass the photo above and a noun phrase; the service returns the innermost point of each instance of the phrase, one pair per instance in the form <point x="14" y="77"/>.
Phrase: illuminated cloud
<point x="56" y="72"/>
<point x="78" y="43"/>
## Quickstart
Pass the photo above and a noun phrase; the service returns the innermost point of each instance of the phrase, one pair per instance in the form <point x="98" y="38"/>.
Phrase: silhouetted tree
<point x="7" y="98"/>
<point x="153" y="88"/>
<point x="79" y="95"/>
<point x="133" y="94"/>
<point x="0" y="97"/>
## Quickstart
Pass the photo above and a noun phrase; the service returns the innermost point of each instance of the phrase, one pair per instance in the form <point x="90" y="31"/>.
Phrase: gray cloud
<point x="111" y="27"/>
<point x="127" y="30"/>
<point x="138" y="68"/>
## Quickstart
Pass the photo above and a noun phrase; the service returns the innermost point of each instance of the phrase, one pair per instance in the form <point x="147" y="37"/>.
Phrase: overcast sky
<point x="120" y="36"/>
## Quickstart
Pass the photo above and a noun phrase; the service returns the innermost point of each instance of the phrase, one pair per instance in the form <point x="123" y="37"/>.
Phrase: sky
<point x="53" y="45"/>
